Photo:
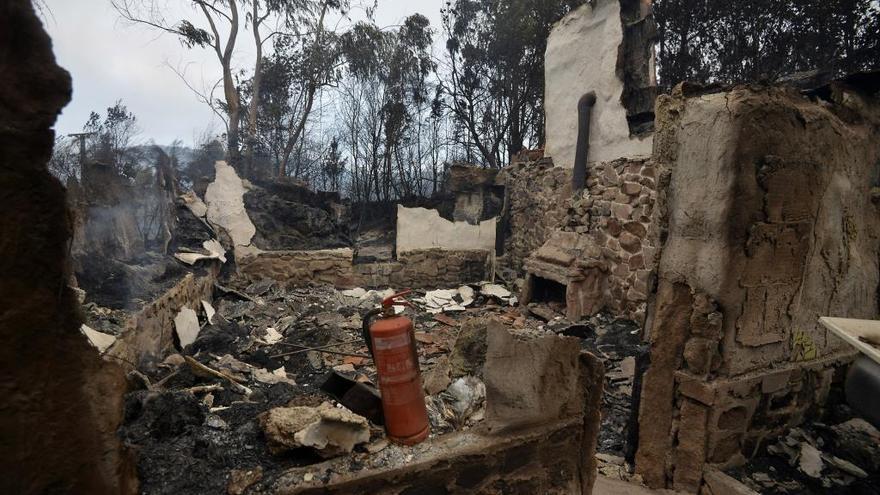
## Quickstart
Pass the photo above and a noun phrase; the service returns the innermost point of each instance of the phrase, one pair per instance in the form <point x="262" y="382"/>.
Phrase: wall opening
<point x="548" y="291"/>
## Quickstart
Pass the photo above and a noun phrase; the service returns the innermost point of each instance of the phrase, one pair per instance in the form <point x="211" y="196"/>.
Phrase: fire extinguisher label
<point x="397" y="369"/>
<point x="385" y="343"/>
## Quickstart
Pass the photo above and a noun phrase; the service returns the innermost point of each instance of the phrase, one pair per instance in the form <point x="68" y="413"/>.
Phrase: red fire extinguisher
<point x="391" y="341"/>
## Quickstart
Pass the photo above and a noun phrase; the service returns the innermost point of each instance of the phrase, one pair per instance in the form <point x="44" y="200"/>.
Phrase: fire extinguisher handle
<point x="397" y="299"/>
<point x="365" y="327"/>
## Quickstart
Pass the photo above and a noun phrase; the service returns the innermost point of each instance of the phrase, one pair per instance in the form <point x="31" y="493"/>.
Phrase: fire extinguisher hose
<point x="365" y="328"/>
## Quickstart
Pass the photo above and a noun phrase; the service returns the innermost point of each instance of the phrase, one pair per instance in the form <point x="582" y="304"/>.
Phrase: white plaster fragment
<point x="195" y="204"/>
<point x="100" y="340"/>
<point x="214" y="248"/>
<point x="278" y="376"/>
<point x="495" y="290"/>
<point x="810" y="461"/>
<point x="209" y="311"/>
<point x="272" y="336"/>
<point x="225" y="205"/>
<point x="186" y="324"/>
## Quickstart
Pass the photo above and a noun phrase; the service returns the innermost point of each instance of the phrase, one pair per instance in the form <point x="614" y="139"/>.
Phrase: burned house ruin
<point x="633" y="307"/>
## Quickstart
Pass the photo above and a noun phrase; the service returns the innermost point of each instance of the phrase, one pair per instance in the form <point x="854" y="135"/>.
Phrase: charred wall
<point x="771" y="224"/>
<point x="56" y="430"/>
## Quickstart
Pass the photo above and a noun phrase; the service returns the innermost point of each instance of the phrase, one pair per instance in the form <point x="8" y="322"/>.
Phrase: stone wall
<point x="601" y="243"/>
<point x="771" y="224"/>
<point x="427" y="268"/>
<point x="148" y="333"/>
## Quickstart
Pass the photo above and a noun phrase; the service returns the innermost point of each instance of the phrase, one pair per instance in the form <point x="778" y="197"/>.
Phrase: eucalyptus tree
<point x="216" y="25"/>
<point x="493" y="80"/>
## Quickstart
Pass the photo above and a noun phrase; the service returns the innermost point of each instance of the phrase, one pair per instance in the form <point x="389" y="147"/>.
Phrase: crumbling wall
<point x="424" y="268"/>
<point x="148" y="333"/>
<point x="771" y="224"/>
<point x="57" y="424"/>
<point x="476" y="195"/>
<point x="543" y="397"/>
<point x="421" y="228"/>
<point x="582" y="56"/>
<point x="287" y="215"/>
<point x="605" y="249"/>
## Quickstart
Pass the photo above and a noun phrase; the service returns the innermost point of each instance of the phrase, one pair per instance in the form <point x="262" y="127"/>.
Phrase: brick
<point x="690" y="452"/>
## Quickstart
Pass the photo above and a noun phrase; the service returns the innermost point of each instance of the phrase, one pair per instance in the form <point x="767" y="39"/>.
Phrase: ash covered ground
<point x="197" y="433"/>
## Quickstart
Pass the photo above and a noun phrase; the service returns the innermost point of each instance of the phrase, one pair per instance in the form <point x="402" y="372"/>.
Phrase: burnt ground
<point x="190" y="432"/>
<point x="777" y="469"/>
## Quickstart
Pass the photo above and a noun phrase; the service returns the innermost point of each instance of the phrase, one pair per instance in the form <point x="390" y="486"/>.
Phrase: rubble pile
<point x="818" y="458"/>
<point x="249" y="394"/>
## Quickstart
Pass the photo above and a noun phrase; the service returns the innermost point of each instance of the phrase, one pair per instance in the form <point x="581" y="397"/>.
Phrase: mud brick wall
<point x="428" y="268"/>
<point x="771" y="224"/>
<point x="536" y="193"/>
<point x="148" y="333"/>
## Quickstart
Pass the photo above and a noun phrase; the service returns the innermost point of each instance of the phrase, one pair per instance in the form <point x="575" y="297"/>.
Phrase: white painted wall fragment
<point x="100" y="340"/>
<point x="186" y="323"/>
<point x="225" y="205"/>
<point x="194" y="203"/>
<point x="213" y="247"/>
<point x="421" y="228"/>
<point x="581" y="57"/>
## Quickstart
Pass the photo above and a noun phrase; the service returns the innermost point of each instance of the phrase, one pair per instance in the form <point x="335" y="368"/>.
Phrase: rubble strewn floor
<point x="197" y="433"/>
<point x="838" y="456"/>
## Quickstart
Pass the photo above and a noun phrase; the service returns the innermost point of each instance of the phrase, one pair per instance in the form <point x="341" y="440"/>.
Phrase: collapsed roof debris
<point x="249" y="385"/>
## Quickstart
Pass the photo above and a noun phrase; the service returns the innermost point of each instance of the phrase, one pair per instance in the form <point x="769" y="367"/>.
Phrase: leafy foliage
<point x="495" y="83"/>
<point x="749" y="40"/>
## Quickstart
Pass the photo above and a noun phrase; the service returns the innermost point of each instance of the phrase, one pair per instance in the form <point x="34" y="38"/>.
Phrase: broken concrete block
<point x="331" y="431"/>
<point x="530" y="380"/>
<point x="101" y="341"/>
<point x="186" y="324"/>
<point x="437" y="378"/>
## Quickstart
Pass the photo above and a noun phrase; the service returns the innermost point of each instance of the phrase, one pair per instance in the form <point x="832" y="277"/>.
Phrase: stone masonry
<point x="602" y="244"/>
<point x="426" y="268"/>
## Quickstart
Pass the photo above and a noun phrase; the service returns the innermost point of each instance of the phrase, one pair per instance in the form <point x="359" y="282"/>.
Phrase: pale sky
<point x="110" y="59"/>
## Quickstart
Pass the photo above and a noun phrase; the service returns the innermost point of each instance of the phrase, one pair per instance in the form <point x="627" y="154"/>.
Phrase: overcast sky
<point x="110" y="59"/>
